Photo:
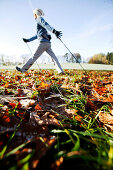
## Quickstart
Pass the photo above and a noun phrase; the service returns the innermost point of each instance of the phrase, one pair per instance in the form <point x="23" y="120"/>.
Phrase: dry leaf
<point x="106" y="118"/>
<point x="27" y="103"/>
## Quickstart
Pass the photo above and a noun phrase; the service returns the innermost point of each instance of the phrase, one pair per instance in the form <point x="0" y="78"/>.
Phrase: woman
<point x="44" y="42"/>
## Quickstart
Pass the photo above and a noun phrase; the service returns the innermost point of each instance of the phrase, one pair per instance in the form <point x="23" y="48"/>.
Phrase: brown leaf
<point x="25" y="103"/>
<point x="45" y="119"/>
<point x="106" y="118"/>
<point x="90" y="106"/>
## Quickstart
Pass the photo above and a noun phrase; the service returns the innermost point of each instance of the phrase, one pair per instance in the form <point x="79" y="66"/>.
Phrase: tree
<point x="66" y="56"/>
<point x="72" y="59"/>
<point x="2" y="60"/>
<point x="75" y="58"/>
<point x="78" y="57"/>
<point x="109" y="57"/>
<point x="98" y="59"/>
<point x="24" y="58"/>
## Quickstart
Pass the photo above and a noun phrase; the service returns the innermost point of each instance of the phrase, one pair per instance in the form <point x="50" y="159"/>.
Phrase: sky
<point x="87" y="26"/>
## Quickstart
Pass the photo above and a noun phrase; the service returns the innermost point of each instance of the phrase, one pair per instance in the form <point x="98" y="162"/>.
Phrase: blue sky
<point x="87" y="25"/>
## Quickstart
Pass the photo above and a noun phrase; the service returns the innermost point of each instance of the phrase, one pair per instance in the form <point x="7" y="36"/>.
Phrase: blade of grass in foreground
<point x="12" y="136"/>
<point x="16" y="149"/>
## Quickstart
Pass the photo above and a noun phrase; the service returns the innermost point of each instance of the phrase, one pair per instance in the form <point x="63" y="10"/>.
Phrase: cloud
<point x="96" y="30"/>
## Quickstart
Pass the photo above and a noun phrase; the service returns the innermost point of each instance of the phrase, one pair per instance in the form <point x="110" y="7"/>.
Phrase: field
<point x="51" y="121"/>
<point x="67" y="66"/>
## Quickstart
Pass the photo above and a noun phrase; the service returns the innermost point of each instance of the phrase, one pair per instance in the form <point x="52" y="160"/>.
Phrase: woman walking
<point x="44" y="42"/>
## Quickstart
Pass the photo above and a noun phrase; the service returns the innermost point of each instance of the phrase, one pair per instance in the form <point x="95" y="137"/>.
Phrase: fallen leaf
<point x="25" y="103"/>
<point x="106" y="118"/>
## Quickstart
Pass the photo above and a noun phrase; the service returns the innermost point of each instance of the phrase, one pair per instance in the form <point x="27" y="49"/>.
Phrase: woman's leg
<point x="55" y="60"/>
<point x="41" y="48"/>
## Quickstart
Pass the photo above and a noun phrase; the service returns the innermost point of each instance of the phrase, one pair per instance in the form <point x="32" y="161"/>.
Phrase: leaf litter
<point x="43" y="114"/>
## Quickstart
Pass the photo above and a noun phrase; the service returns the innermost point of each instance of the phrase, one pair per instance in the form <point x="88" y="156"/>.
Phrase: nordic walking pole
<point x="72" y="54"/>
<point x="29" y="48"/>
<point x="32" y="54"/>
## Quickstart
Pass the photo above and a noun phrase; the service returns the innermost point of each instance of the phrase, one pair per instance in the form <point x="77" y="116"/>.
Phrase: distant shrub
<point x="98" y="59"/>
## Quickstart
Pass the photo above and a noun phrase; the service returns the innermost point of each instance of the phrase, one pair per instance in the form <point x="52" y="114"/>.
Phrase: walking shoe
<point x="18" y="69"/>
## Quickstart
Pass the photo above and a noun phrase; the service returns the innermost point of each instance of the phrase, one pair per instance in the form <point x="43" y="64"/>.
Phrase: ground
<point x="56" y="121"/>
<point x="69" y="66"/>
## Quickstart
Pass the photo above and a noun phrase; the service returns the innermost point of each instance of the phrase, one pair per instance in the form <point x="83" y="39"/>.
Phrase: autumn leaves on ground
<point x="49" y="121"/>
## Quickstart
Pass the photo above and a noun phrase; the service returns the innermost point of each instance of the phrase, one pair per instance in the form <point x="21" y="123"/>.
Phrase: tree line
<point x="101" y="58"/>
<point x="67" y="58"/>
<point x="13" y="60"/>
